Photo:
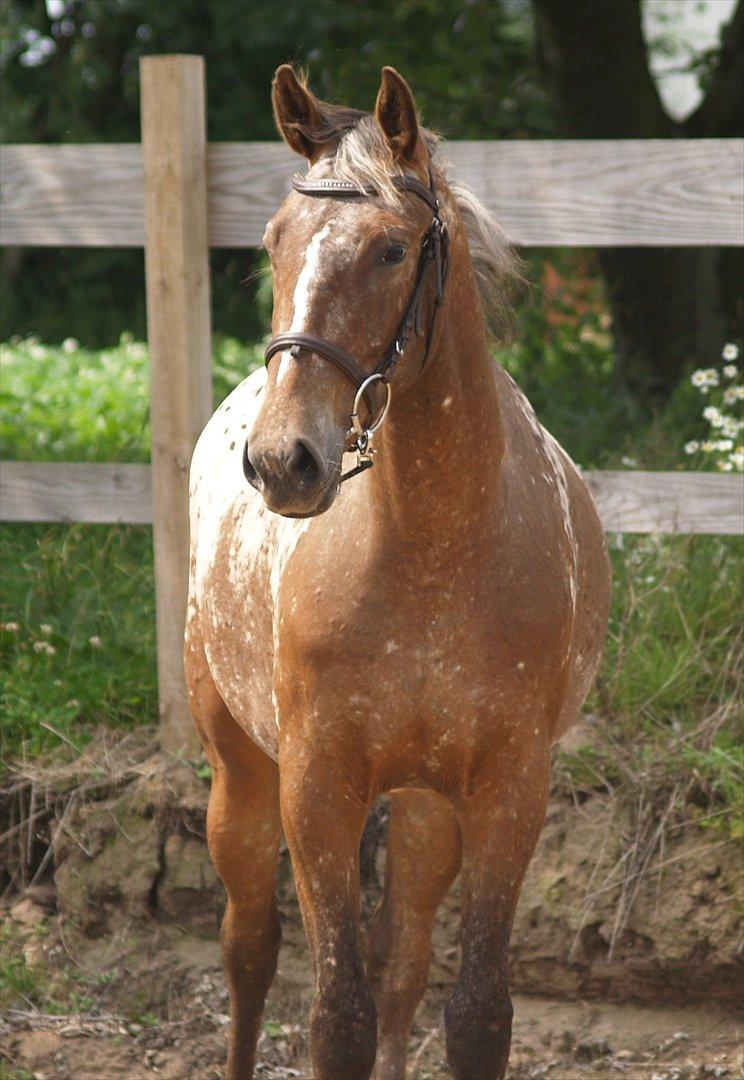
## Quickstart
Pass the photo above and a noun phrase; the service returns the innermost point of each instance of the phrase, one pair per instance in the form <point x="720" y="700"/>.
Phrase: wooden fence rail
<point x="643" y="192"/>
<point x="176" y="196"/>
<point x="638" y="502"/>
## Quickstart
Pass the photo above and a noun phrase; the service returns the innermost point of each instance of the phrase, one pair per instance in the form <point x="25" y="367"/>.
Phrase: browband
<point x="333" y="186"/>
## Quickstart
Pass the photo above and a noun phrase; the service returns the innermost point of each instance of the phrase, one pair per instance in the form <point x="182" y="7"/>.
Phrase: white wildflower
<point x="725" y="466"/>
<point x="94" y="641"/>
<point x="48" y="649"/>
<point x="704" y="379"/>
<point x="39" y="646"/>
<point x="732" y="394"/>
<point x="730" y="352"/>
<point x="730" y="371"/>
<point x="737" y="459"/>
<point x="731" y="427"/>
<point x="628" y="462"/>
<point x="708" y="447"/>
<point x="70" y="344"/>
<point x="692" y="446"/>
<point x="11" y="627"/>
<point x="45" y="628"/>
<point x="713" y="416"/>
<point x="73" y="703"/>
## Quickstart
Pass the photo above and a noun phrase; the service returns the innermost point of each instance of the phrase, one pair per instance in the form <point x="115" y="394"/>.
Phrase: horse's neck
<point x="442" y="445"/>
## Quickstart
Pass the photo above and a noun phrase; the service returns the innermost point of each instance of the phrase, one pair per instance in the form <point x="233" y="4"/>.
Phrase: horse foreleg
<point x="243" y="833"/>
<point x="423" y="857"/>
<point x="500" y="824"/>
<point x="323" y="820"/>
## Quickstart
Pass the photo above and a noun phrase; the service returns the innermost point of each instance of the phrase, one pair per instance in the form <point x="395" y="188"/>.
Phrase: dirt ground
<point x="164" y="1013"/>
<point x="114" y="969"/>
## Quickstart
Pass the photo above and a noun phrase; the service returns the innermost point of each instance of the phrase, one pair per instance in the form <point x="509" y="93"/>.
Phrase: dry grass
<point x="39" y="797"/>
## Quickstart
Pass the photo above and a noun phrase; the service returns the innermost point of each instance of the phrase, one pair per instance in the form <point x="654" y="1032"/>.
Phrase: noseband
<point x="434" y="253"/>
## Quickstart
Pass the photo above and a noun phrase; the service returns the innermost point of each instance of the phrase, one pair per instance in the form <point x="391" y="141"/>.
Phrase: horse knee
<point x="478" y="1034"/>
<point x="250" y="949"/>
<point x="343" y="1031"/>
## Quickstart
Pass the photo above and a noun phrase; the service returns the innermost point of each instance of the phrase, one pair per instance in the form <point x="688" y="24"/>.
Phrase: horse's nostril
<point x="303" y="466"/>
<point x="249" y="470"/>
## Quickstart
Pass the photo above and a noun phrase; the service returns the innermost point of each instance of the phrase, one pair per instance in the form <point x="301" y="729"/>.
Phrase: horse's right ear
<point x="296" y="112"/>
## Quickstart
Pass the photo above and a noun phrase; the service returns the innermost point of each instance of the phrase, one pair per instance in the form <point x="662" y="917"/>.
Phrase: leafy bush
<point x="66" y="403"/>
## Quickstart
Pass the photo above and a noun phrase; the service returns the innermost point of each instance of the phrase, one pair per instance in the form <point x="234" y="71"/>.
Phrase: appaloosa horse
<point x="426" y="629"/>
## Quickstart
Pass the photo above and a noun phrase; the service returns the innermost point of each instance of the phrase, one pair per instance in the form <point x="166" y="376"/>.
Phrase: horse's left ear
<point x="296" y="112"/>
<point x="395" y="112"/>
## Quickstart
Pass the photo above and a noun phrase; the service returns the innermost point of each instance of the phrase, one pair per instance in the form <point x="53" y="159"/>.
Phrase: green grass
<point x="19" y="983"/>
<point x="670" y="686"/>
<point x="36" y="984"/>
<point x="83" y="651"/>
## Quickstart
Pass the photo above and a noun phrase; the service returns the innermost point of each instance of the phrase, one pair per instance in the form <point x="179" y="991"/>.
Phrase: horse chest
<point x="289" y="604"/>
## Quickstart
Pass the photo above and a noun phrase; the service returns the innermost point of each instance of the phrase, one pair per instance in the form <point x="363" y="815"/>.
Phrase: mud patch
<point x="565" y="1040"/>
<point x="140" y="855"/>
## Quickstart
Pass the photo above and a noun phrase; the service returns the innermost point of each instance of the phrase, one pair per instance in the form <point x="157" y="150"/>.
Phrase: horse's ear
<point x="297" y="112"/>
<point x="396" y="114"/>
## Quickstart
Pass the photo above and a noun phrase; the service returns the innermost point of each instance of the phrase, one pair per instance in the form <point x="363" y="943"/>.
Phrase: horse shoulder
<point x="216" y="484"/>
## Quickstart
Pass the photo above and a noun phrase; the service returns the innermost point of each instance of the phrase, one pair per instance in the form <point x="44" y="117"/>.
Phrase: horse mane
<point x="364" y="158"/>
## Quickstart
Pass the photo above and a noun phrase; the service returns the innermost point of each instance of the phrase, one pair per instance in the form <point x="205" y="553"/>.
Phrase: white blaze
<point x="302" y="292"/>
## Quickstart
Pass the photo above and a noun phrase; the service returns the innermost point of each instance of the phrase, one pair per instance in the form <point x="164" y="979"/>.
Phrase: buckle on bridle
<point x="362" y="435"/>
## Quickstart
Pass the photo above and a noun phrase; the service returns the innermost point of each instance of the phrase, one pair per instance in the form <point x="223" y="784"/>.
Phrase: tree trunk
<point x="672" y="307"/>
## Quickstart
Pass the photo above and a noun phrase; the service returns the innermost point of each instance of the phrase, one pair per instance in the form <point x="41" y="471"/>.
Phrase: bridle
<point x="434" y="252"/>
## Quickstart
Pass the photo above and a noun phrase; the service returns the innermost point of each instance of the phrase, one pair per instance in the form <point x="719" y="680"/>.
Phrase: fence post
<point x="179" y="333"/>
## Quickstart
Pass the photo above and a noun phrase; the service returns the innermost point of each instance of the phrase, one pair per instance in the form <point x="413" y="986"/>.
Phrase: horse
<point x="425" y="624"/>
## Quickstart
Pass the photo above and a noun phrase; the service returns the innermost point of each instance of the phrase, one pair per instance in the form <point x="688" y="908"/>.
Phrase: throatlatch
<point x="434" y="251"/>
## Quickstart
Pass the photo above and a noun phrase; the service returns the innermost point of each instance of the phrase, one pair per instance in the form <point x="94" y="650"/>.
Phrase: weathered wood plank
<point x="179" y="335"/>
<point x="75" y="196"/>
<point x="609" y="193"/>
<point x="69" y="491"/>
<point x="669" y="502"/>
<point x="642" y="192"/>
<point x="664" y="502"/>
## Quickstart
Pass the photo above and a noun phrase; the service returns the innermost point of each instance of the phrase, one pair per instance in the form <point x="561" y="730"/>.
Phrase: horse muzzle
<point x="295" y="478"/>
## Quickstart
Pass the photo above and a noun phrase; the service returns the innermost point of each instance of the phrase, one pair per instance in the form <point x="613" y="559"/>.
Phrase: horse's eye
<point x="394" y="254"/>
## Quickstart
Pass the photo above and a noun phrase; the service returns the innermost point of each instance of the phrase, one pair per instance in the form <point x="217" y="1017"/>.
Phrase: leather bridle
<point x="434" y="252"/>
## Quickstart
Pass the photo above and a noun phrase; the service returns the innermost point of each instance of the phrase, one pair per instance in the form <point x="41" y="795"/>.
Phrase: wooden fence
<point x="175" y="195"/>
